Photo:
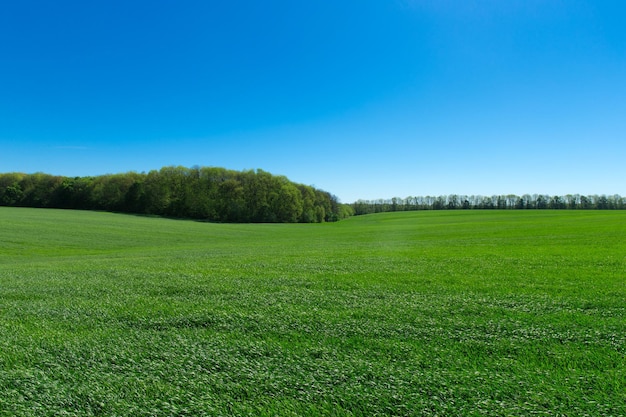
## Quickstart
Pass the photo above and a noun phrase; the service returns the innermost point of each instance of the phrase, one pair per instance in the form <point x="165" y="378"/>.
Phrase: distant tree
<point x="395" y="203"/>
<point x="439" y="203"/>
<point x="602" y="203"/>
<point x="618" y="202"/>
<point x="556" y="203"/>
<point x="285" y="202"/>
<point x="541" y="202"/>
<point x="109" y="191"/>
<point x="345" y="211"/>
<point x="39" y="189"/>
<point x="511" y="200"/>
<point x="134" y="197"/>
<point x="453" y="201"/>
<point x="529" y="201"/>
<point x="12" y="195"/>
<point x="308" y="204"/>
<point x="486" y="203"/>
<point x="585" y="202"/>
<point x="231" y="204"/>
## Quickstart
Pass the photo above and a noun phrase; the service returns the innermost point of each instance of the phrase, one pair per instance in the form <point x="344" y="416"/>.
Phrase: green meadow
<point x="431" y="313"/>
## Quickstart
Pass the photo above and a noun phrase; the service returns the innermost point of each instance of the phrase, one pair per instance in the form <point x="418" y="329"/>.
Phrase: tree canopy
<point x="252" y="196"/>
<point x="508" y="201"/>
<point x="207" y="193"/>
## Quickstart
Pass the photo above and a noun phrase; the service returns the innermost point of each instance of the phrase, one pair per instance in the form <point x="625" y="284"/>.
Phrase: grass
<point x="460" y="313"/>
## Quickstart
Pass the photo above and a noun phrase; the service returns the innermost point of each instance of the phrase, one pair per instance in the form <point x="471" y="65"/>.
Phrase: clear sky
<point x="363" y="98"/>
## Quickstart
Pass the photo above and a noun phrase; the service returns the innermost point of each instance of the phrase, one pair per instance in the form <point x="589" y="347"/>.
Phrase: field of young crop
<point x="440" y="313"/>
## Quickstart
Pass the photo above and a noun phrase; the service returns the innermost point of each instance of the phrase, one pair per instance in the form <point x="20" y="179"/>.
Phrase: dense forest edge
<point x="252" y="196"/>
<point x="502" y="202"/>
<point x="203" y="193"/>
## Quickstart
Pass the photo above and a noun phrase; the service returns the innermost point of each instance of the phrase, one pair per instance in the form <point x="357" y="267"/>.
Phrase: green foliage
<point x="208" y="193"/>
<point x="501" y="202"/>
<point x="456" y="313"/>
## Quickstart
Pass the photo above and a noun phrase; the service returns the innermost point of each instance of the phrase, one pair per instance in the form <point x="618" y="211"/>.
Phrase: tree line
<point x="509" y="201"/>
<point x="206" y="193"/>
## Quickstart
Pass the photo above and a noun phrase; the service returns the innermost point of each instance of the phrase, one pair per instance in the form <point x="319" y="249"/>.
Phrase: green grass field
<point x="448" y="313"/>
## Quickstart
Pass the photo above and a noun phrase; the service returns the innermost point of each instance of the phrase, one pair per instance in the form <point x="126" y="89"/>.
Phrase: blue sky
<point x="365" y="99"/>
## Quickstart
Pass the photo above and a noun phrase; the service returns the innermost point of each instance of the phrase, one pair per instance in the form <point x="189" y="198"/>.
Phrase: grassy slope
<point x="424" y="313"/>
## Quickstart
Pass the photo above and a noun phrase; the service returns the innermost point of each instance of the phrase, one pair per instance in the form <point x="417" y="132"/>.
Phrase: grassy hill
<point x="415" y="313"/>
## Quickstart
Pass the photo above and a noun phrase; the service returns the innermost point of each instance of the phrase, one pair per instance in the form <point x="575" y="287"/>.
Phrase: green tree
<point x="556" y="203"/>
<point x="232" y="202"/>
<point x="286" y="202"/>
<point x="602" y="203"/>
<point x="542" y="202"/>
<point x="12" y="195"/>
<point x="39" y="189"/>
<point x="109" y="191"/>
<point x="308" y="204"/>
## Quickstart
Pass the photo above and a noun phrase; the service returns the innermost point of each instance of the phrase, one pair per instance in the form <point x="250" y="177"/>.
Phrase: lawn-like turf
<point x="449" y="313"/>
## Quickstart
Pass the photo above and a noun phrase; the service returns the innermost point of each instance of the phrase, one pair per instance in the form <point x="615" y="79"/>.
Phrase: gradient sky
<point x="363" y="98"/>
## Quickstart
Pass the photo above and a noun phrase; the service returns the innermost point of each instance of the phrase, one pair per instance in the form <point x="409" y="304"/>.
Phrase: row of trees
<point x="509" y="201"/>
<point x="208" y="193"/>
